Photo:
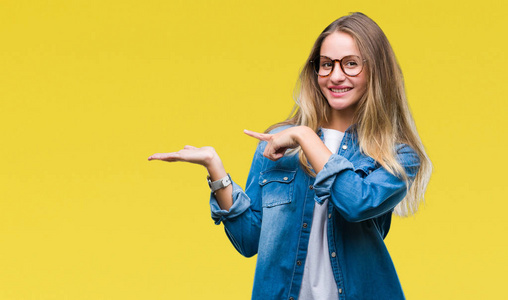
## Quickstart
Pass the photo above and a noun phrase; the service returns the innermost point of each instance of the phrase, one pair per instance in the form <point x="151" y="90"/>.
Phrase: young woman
<point x="323" y="184"/>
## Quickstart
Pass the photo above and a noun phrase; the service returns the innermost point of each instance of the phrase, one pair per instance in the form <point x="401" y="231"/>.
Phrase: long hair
<point x="383" y="118"/>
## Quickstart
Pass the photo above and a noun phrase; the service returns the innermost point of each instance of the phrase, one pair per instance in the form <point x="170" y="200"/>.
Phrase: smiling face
<point x="341" y="91"/>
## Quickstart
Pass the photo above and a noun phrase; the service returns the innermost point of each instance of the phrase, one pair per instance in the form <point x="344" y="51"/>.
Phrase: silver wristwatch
<point x="219" y="184"/>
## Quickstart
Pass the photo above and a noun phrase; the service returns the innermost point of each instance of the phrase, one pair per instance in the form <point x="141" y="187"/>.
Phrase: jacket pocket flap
<point x="283" y="176"/>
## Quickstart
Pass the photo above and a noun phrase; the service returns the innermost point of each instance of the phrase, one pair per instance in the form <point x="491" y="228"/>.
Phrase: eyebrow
<point x="339" y="58"/>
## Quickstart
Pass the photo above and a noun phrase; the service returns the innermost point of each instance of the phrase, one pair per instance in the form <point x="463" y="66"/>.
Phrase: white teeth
<point x="340" y="90"/>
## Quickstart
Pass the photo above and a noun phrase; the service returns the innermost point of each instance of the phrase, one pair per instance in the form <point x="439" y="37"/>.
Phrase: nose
<point x="337" y="74"/>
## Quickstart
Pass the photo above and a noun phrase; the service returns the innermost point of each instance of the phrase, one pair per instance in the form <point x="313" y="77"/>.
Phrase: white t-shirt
<point x="318" y="282"/>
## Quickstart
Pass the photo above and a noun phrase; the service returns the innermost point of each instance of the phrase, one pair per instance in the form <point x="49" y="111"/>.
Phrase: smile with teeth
<point x="341" y="90"/>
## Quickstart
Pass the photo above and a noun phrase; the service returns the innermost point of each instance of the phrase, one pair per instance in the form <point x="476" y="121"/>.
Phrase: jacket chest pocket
<point x="277" y="187"/>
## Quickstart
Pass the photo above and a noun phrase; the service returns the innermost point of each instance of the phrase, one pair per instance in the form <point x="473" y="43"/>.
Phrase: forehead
<point x="339" y="44"/>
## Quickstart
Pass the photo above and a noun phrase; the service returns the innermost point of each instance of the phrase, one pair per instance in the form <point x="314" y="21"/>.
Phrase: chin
<point x="342" y="105"/>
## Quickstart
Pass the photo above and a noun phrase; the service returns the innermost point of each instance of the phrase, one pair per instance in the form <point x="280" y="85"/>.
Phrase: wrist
<point x="212" y="159"/>
<point x="219" y="184"/>
<point x="302" y="134"/>
<point x="215" y="167"/>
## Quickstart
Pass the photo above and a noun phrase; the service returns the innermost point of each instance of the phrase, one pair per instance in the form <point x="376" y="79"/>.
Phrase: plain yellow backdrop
<point x="90" y="89"/>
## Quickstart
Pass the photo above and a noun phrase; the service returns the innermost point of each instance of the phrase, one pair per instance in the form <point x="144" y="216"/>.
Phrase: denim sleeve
<point x="242" y="222"/>
<point x="360" y="198"/>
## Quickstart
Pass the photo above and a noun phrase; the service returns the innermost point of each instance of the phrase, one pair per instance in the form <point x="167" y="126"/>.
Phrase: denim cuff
<point x="326" y="177"/>
<point x="240" y="204"/>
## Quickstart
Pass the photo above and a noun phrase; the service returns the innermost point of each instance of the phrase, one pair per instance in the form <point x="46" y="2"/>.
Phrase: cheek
<point x="361" y="83"/>
<point x="322" y="82"/>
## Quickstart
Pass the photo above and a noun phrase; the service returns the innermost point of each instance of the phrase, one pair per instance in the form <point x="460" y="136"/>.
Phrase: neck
<point x="339" y="120"/>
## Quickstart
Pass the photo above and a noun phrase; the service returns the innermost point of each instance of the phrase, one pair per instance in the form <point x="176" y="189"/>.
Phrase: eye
<point x="326" y="65"/>
<point x="351" y="63"/>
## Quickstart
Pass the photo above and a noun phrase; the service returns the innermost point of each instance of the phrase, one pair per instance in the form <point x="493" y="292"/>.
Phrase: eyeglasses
<point x="351" y="65"/>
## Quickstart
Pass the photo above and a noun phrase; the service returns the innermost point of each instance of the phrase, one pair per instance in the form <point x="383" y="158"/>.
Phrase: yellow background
<point x="90" y="89"/>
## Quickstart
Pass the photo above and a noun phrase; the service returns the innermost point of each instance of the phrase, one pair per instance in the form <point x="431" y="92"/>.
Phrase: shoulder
<point x="406" y="151"/>
<point x="401" y="148"/>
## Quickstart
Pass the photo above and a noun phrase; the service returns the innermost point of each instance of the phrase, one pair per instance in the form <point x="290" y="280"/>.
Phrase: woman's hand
<point x="207" y="157"/>
<point x="277" y="143"/>
<point x="204" y="156"/>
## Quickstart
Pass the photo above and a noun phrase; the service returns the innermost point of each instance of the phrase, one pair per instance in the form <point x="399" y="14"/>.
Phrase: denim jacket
<point x="273" y="217"/>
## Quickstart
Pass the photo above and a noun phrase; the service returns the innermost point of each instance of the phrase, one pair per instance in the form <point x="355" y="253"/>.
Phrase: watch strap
<point x="219" y="184"/>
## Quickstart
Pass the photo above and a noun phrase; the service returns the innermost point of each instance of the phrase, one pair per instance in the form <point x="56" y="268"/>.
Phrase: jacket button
<point x="291" y="298"/>
<point x="304" y="225"/>
<point x="298" y="262"/>
<point x="264" y="180"/>
<point x="329" y="216"/>
<point x="311" y="187"/>
<point x="340" y="291"/>
<point x="285" y="178"/>
<point x="344" y="147"/>
<point x="334" y="254"/>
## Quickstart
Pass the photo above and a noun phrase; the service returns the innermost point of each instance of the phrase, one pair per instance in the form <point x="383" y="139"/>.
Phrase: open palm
<point x="201" y="156"/>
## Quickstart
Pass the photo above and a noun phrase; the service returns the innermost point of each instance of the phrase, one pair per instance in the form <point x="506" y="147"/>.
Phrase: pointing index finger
<point x="257" y="135"/>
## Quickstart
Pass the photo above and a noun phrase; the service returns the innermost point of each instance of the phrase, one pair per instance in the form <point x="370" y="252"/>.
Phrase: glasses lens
<point x="352" y="65"/>
<point x="325" y="66"/>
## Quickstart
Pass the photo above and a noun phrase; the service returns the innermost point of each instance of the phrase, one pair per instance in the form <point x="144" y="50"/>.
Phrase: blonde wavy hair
<point x="383" y="118"/>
